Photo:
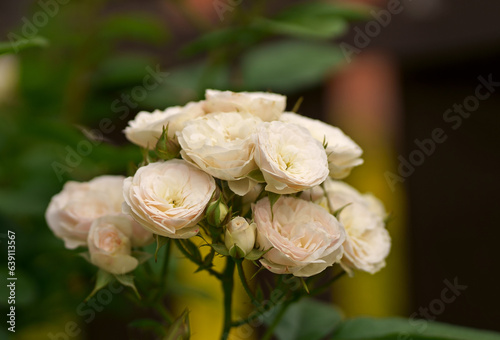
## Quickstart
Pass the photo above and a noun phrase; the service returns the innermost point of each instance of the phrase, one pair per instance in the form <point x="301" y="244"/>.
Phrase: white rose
<point x="304" y="237"/>
<point x="110" y="245"/>
<point x="72" y="211"/>
<point x="223" y="145"/>
<point x="266" y="106"/>
<point x="343" y="153"/>
<point x="290" y="159"/>
<point x="241" y="234"/>
<point x="146" y="128"/>
<point x="168" y="198"/>
<point x="367" y="243"/>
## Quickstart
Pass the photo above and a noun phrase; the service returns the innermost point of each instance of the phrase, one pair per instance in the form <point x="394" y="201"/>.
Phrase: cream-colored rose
<point x="290" y="159"/>
<point x="304" y="237"/>
<point x="343" y="153"/>
<point x="110" y="245"/>
<point x="145" y="129"/>
<point x="241" y="234"/>
<point x="222" y="145"/>
<point x="168" y="198"/>
<point x="72" y="211"/>
<point x="266" y="106"/>
<point x="367" y="243"/>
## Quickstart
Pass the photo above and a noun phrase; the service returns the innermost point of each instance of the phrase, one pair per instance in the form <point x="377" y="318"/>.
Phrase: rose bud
<point x="216" y="213"/>
<point x="240" y="237"/>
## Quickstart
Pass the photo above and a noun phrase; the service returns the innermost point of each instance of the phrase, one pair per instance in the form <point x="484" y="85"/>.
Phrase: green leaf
<point x="128" y="281"/>
<point x="337" y="212"/>
<point x="307" y="319"/>
<point x="220" y="248"/>
<point x="233" y="36"/>
<point x="102" y="280"/>
<point x="22" y="44"/>
<point x="135" y="26"/>
<point x="141" y="256"/>
<point x="289" y="65"/>
<point x="305" y="27"/>
<point x="160" y="242"/>
<point x="257" y="176"/>
<point x="86" y="256"/>
<point x="180" y="329"/>
<point x="256" y="254"/>
<point x="402" y="328"/>
<point x="273" y="198"/>
<point x="192" y="249"/>
<point x="326" y="10"/>
<point x="149" y="325"/>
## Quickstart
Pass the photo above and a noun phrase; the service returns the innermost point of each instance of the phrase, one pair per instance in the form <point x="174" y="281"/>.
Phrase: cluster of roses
<point x="272" y="177"/>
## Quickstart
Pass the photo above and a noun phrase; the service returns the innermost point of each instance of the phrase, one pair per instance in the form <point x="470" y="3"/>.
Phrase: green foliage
<point x="289" y="65"/>
<point x="308" y="320"/>
<point x="22" y="44"/>
<point x="401" y="328"/>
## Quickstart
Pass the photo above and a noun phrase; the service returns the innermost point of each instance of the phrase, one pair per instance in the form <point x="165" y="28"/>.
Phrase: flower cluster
<point x="254" y="181"/>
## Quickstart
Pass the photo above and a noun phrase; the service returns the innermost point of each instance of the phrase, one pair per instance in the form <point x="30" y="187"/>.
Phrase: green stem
<point x="164" y="269"/>
<point x="164" y="313"/>
<point x="227" y="286"/>
<point x="241" y="273"/>
<point x="270" y="331"/>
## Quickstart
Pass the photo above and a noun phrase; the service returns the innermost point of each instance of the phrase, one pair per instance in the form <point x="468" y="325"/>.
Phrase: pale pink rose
<point x="72" y="211"/>
<point x="305" y="238"/>
<point x="367" y="243"/>
<point x="168" y="198"/>
<point x="110" y="246"/>
<point x="290" y="159"/>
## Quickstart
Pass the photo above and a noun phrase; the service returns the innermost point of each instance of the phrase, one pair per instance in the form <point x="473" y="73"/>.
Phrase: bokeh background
<point x="386" y="80"/>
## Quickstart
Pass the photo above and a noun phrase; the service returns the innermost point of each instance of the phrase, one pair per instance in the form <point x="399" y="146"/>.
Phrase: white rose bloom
<point x="145" y="129"/>
<point x="72" y="211"/>
<point x="266" y="106"/>
<point x="290" y="159"/>
<point x="304" y="237"/>
<point x="241" y="234"/>
<point x="110" y="244"/>
<point x="368" y="243"/>
<point x="223" y="145"/>
<point x="343" y="153"/>
<point x="168" y="198"/>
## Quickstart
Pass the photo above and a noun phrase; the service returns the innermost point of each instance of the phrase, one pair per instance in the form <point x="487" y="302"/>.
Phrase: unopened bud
<point x="240" y="237"/>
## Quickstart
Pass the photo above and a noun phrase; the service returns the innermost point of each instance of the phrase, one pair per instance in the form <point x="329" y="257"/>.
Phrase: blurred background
<point x="415" y="83"/>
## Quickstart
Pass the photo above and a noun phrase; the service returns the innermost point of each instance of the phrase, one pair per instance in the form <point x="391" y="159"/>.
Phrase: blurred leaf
<point x="180" y="329"/>
<point x="187" y="83"/>
<point x="399" y="328"/>
<point x="128" y="281"/>
<point x="289" y="65"/>
<point x="307" y="320"/>
<point x="149" y="325"/>
<point x="322" y="10"/>
<point x="233" y="36"/>
<point x="305" y="27"/>
<point x="134" y="26"/>
<point x="22" y="44"/>
<point x="103" y="278"/>
<point x="123" y="70"/>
